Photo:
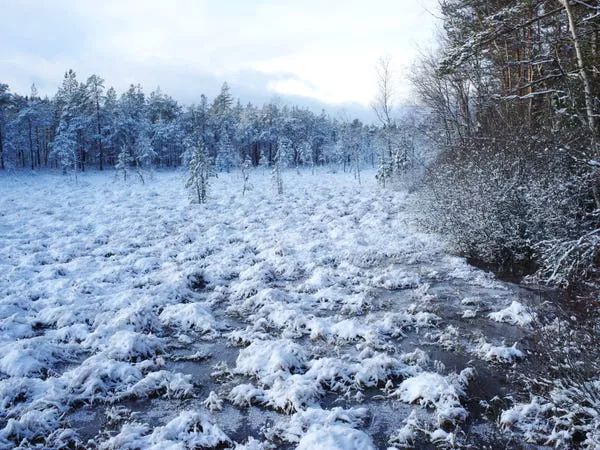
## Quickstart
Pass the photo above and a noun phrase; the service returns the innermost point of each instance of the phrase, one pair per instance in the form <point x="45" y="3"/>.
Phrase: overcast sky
<point x="303" y="51"/>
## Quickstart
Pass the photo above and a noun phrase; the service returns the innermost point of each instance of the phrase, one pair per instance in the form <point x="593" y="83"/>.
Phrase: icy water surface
<point x="132" y="319"/>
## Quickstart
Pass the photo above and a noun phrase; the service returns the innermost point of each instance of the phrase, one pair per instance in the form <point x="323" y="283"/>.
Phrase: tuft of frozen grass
<point x="499" y="353"/>
<point x="530" y="418"/>
<point x="293" y="429"/>
<point x="254" y="444"/>
<point x="189" y="429"/>
<point x="267" y="358"/>
<point x="570" y="410"/>
<point x="335" y="437"/>
<point x="395" y="279"/>
<point x="189" y="316"/>
<point x="246" y="394"/>
<point x="131" y="346"/>
<point x="442" y="393"/>
<point x="515" y="314"/>
<point x="30" y="426"/>
<point x="293" y="393"/>
<point x="172" y="385"/>
<point x="213" y="402"/>
<point x="406" y="435"/>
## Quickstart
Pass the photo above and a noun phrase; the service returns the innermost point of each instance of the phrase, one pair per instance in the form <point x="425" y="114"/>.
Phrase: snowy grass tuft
<point x="515" y="314"/>
<point x="305" y="295"/>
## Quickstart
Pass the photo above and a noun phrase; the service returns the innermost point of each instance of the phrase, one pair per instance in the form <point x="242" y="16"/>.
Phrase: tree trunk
<point x="31" y="144"/>
<point x="38" y="156"/>
<point x="587" y="87"/>
<point x="99" y="138"/>
<point x="1" y="151"/>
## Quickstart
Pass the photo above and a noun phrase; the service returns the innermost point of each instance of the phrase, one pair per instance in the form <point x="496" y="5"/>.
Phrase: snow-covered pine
<point x="245" y="165"/>
<point x="283" y="146"/>
<point x="143" y="156"/>
<point x="225" y="152"/>
<point x="200" y="171"/>
<point x="64" y="148"/>
<point x="124" y="161"/>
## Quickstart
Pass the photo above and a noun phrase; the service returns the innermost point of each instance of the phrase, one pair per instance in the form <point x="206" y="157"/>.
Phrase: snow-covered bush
<point x="519" y="211"/>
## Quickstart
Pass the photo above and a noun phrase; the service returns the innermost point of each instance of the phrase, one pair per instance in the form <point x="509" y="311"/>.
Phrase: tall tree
<point x="95" y="91"/>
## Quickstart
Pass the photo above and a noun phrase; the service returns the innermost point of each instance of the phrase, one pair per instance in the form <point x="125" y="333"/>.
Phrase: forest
<point x="513" y="93"/>
<point x="87" y="126"/>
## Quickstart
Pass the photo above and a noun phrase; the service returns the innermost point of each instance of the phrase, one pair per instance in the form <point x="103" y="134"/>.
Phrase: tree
<point x="68" y="145"/>
<point x="95" y="89"/>
<point x="64" y="147"/>
<point x="124" y="161"/>
<point x="225" y="152"/>
<point x="143" y="155"/>
<point x="513" y="106"/>
<point x="283" y="146"/>
<point x="200" y="171"/>
<point x="382" y="104"/>
<point x="85" y="125"/>
<point x="5" y="99"/>
<point x="245" y="166"/>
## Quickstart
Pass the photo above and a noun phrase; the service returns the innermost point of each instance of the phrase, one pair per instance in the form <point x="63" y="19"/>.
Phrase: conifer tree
<point x="283" y="146"/>
<point x="245" y="165"/>
<point x="124" y="160"/>
<point x="200" y="171"/>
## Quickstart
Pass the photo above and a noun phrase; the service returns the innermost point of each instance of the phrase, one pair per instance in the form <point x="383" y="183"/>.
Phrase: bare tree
<point x="382" y="104"/>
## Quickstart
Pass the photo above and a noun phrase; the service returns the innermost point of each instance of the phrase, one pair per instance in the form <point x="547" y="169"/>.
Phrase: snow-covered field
<point x="130" y="318"/>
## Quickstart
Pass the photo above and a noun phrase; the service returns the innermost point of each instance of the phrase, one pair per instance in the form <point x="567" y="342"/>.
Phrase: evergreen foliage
<point x="200" y="171"/>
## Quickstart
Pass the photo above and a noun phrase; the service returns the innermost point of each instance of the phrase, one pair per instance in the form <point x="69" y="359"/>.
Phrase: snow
<point x="188" y="430"/>
<point x="189" y="316"/>
<point x="288" y="306"/>
<point x="442" y="393"/>
<point x="515" y="314"/>
<point x="267" y="358"/>
<point x="499" y="353"/>
<point x="336" y="437"/>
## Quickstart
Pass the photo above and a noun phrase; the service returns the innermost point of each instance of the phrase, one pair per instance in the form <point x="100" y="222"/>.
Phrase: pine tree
<point x="95" y="90"/>
<point x="225" y="157"/>
<point x="124" y="160"/>
<point x="283" y="146"/>
<point x="64" y="147"/>
<point x="201" y="170"/>
<point x="245" y="165"/>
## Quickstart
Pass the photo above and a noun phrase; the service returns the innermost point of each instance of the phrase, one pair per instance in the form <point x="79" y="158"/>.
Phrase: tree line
<point x="513" y="93"/>
<point x="86" y="125"/>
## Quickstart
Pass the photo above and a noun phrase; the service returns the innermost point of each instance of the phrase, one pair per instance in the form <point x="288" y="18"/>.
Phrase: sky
<point x="319" y="54"/>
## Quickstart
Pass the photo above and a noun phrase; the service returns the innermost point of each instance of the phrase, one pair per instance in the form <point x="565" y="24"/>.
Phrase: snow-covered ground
<point x="130" y="318"/>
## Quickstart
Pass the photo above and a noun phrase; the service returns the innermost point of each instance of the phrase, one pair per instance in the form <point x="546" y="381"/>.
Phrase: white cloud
<point x="323" y="51"/>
